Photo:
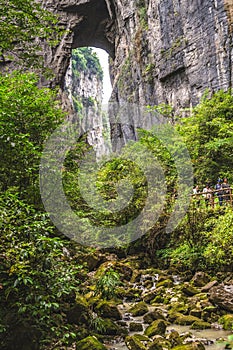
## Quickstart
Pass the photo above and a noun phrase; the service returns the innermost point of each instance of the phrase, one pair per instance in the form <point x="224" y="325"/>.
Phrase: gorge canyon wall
<point x="161" y="51"/>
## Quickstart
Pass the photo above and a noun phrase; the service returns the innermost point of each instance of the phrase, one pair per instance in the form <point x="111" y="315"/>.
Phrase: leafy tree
<point x="219" y="249"/>
<point x="209" y="136"/>
<point x="36" y="272"/>
<point x="28" y="115"/>
<point x="24" y="24"/>
<point x="84" y="59"/>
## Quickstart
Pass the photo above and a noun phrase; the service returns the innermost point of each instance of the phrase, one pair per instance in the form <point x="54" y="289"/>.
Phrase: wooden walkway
<point x="215" y="197"/>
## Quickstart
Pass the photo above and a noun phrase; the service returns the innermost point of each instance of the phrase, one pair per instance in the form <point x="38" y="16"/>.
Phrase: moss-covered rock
<point x="181" y="307"/>
<point x="159" y="299"/>
<point x="197" y="345"/>
<point x="155" y="346"/>
<point x="200" y="325"/>
<point x="200" y="279"/>
<point x="148" y="284"/>
<point x="167" y="283"/>
<point x="130" y="294"/>
<point x="90" y="343"/>
<point x="92" y="260"/>
<point x="135" y="327"/>
<point x="80" y="312"/>
<point x="227" y="321"/>
<point x="111" y="328"/>
<point x="196" y="312"/>
<point x="152" y="316"/>
<point x="149" y="296"/>
<point x="156" y="327"/>
<point x="174" y="339"/>
<point x="133" y="343"/>
<point x="139" y="309"/>
<point x="159" y="343"/>
<point x="108" y="310"/>
<point x="186" y="320"/>
<point x="124" y="270"/>
<point x="189" y="290"/>
<point x="173" y="315"/>
<point x="136" y="276"/>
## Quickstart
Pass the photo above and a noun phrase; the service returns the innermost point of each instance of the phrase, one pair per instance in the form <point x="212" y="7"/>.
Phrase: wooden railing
<point x="215" y="197"/>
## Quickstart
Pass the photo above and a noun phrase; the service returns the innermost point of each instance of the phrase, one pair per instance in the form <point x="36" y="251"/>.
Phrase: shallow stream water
<point x="212" y="338"/>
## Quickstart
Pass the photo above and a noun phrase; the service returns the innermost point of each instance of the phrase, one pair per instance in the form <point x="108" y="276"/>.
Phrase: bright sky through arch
<point x="107" y="87"/>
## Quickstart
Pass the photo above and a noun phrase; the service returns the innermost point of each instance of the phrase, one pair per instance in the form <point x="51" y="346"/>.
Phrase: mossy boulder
<point x="156" y="327"/>
<point x="133" y="343"/>
<point x="136" y="276"/>
<point x="197" y="345"/>
<point x="167" y="283"/>
<point x="149" y="296"/>
<point x="90" y="343"/>
<point x="152" y="316"/>
<point x="135" y="327"/>
<point x="159" y="343"/>
<point x="108" y="310"/>
<point x="159" y="299"/>
<point x="187" y="320"/>
<point x="130" y="294"/>
<point x="173" y="315"/>
<point x="200" y="325"/>
<point x="181" y="307"/>
<point x="227" y="321"/>
<point x="174" y="338"/>
<point x="196" y="312"/>
<point x="80" y="312"/>
<point x="124" y="270"/>
<point x="111" y="328"/>
<point x="189" y="290"/>
<point x="92" y="260"/>
<point x="200" y="279"/>
<point x="139" y="309"/>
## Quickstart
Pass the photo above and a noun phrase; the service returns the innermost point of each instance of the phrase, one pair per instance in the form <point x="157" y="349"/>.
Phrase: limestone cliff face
<point x="84" y="88"/>
<point x="173" y="50"/>
<point x="162" y="50"/>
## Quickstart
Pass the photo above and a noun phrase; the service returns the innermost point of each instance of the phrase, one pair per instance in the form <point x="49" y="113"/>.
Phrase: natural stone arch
<point x="96" y="27"/>
<point x="86" y="23"/>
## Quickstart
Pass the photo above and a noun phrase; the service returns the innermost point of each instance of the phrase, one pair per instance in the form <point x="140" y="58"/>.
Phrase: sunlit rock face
<point x="84" y="88"/>
<point x="162" y="51"/>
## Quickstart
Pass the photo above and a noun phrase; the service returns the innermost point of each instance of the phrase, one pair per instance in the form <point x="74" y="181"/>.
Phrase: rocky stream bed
<point x="157" y="310"/>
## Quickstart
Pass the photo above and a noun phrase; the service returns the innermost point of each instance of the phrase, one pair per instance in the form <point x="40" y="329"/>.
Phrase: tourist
<point x="207" y="194"/>
<point x="226" y="190"/>
<point x="219" y="193"/>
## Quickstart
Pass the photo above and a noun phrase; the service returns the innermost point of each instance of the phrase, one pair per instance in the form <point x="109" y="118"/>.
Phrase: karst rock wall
<point x="162" y="50"/>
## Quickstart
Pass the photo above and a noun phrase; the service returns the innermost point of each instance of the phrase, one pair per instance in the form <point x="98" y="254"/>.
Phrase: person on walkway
<point x="219" y="193"/>
<point x="207" y="194"/>
<point x="226" y="190"/>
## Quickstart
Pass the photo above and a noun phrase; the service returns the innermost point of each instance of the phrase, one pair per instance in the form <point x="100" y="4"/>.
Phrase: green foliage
<point x="219" y="250"/>
<point x="142" y="13"/>
<point x="107" y="283"/>
<point x="98" y="324"/>
<point x="37" y="274"/>
<point x="209" y="135"/>
<point x="27" y="117"/>
<point x="85" y="60"/>
<point x="202" y="241"/>
<point x="22" y="23"/>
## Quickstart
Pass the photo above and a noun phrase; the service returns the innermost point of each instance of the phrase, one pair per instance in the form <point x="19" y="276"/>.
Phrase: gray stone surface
<point x="163" y="51"/>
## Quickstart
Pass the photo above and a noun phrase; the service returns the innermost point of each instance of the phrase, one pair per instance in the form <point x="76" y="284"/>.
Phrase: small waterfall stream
<point x="209" y="337"/>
